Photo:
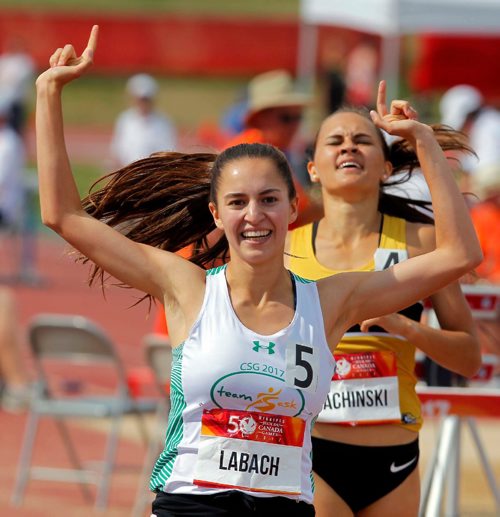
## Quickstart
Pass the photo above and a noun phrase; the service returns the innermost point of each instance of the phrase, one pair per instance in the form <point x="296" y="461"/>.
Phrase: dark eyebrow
<point x="269" y="191"/>
<point x="263" y="193"/>
<point x="356" y="135"/>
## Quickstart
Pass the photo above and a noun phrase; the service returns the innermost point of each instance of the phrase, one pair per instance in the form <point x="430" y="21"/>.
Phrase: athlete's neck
<point x="348" y="222"/>
<point x="259" y="284"/>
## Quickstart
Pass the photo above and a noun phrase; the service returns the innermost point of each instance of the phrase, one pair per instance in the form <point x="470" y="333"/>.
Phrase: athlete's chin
<point x="255" y="257"/>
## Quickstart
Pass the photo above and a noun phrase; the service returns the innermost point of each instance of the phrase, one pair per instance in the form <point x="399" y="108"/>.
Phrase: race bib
<point x="364" y="389"/>
<point x="385" y="258"/>
<point x="250" y="451"/>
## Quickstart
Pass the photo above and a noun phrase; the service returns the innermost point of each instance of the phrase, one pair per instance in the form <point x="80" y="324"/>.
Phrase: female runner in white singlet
<point x="252" y="353"/>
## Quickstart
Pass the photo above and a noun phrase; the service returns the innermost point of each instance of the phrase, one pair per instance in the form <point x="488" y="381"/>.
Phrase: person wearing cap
<point x="463" y="108"/>
<point x="16" y="78"/>
<point x="141" y="130"/>
<point x="274" y="113"/>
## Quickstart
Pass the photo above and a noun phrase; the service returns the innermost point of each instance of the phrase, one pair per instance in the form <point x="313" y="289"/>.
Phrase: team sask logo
<point x="243" y="390"/>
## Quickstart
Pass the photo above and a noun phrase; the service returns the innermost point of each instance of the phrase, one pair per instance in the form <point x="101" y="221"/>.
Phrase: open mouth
<point x="255" y="235"/>
<point x="349" y="165"/>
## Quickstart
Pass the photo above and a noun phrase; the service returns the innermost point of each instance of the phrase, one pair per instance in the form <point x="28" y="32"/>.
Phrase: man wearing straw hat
<point x="274" y="114"/>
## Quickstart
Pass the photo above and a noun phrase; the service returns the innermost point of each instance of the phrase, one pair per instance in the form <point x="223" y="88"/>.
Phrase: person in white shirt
<point x="141" y="130"/>
<point x="16" y="77"/>
<point x="12" y="162"/>
<point x="464" y="109"/>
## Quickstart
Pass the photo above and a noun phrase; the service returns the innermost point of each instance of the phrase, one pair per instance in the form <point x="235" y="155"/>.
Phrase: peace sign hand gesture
<point x="65" y="65"/>
<point x="401" y="120"/>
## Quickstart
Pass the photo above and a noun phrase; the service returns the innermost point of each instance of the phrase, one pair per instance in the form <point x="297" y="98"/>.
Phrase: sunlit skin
<point x="254" y="210"/>
<point x="348" y="159"/>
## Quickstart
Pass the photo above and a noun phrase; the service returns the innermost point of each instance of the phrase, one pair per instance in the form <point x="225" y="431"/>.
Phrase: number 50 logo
<point x="302" y="367"/>
<point x="246" y="425"/>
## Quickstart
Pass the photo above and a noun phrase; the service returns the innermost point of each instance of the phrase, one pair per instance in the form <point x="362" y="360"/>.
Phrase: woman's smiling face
<point x="254" y="209"/>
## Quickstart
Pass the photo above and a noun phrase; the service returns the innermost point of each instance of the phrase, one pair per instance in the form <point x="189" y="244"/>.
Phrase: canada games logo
<point x="342" y="367"/>
<point x="248" y="425"/>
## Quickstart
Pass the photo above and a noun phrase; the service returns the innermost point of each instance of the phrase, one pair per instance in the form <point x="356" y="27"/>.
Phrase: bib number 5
<point x="301" y="367"/>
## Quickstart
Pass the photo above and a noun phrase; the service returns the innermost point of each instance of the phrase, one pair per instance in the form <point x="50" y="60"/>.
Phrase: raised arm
<point x="354" y="297"/>
<point x="143" y="267"/>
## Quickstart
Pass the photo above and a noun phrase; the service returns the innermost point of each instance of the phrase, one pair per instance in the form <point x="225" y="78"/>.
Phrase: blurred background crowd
<point x="198" y="75"/>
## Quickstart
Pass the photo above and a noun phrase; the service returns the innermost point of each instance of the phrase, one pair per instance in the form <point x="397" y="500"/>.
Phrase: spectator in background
<point x="12" y="163"/>
<point x="233" y="119"/>
<point x="463" y="108"/>
<point x="274" y="110"/>
<point x="361" y="74"/>
<point x="141" y="130"/>
<point x="16" y="75"/>
<point x="486" y="219"/>
<point x="274" y="113"/>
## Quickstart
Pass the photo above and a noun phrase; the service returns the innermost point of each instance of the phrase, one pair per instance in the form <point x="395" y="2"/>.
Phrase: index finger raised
<point x="92" y="43"/>
<point x="381" y="102"/>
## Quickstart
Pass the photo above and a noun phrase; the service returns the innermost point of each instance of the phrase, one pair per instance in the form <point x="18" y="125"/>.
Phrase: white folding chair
<point x="68" y="352"/>
<point x="158" y="353"/>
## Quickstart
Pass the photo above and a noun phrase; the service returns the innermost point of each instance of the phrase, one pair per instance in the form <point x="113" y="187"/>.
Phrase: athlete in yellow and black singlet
<point x="374" y="385"/>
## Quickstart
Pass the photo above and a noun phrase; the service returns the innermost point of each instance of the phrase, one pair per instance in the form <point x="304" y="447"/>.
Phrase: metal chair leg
<point x="23" y="472"/>
<point x="108" y="464"/>
<point x="73" y="457"/>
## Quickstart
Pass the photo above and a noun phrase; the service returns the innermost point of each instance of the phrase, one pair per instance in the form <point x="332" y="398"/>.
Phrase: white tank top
<point x="243" y="403"/>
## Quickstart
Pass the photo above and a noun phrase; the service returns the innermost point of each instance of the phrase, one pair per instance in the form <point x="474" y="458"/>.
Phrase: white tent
<point x="392" y="19"/>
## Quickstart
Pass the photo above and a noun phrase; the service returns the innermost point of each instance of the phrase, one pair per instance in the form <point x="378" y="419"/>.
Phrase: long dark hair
<point x="404" y="160"/>
<point x="163" y="200"/>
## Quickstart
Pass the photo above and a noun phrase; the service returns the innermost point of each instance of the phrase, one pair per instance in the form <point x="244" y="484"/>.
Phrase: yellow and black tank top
<point x="391" y="249"/>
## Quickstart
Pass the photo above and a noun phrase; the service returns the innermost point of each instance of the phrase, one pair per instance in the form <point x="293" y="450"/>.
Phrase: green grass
<point x="84" y="173"/>
<point x="256" y="8"/>
<point x="96" y="101"/>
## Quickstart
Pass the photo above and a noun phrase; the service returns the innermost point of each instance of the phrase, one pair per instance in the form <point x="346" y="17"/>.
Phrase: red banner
<point x="468" y="402"/>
